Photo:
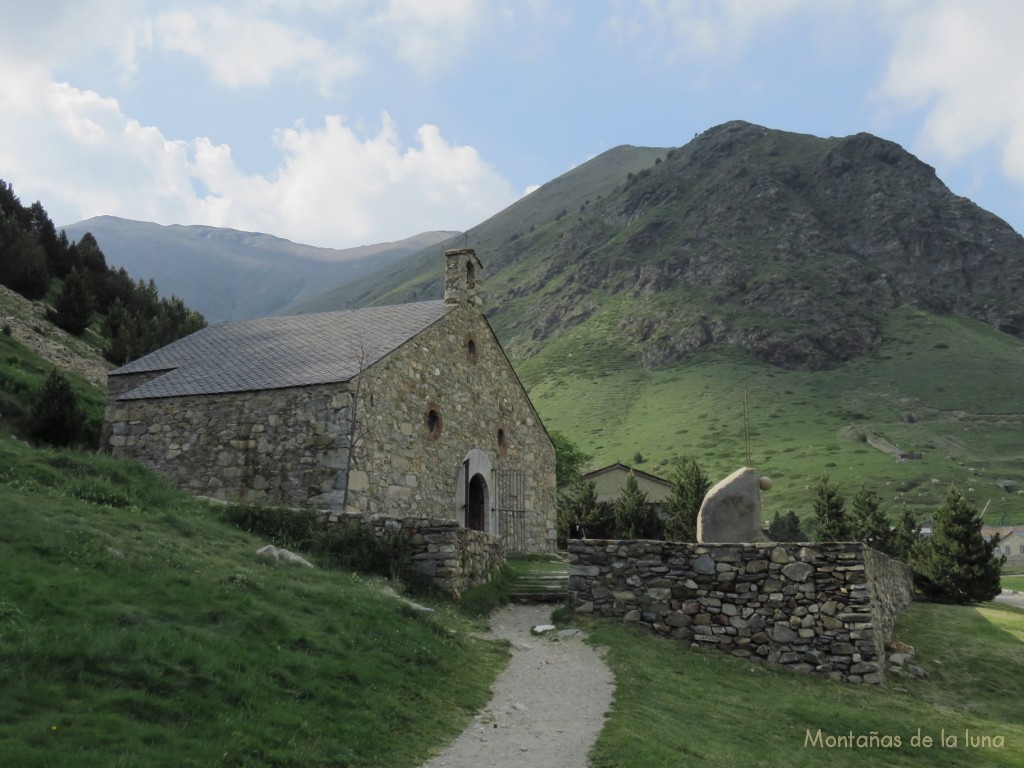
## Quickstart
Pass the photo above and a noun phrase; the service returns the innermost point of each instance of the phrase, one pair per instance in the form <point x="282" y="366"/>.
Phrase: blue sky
<point x="347" y="122"/>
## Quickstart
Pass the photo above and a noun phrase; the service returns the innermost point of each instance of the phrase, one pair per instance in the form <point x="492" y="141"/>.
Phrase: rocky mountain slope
<point x="788" y="246"/>
<point x="25" y="321"/>
<point x="230" y="275"/>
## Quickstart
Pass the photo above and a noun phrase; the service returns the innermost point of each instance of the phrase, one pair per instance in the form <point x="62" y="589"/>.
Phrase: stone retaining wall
<point x="827" y="607"/>
<point x="452" y="557"/>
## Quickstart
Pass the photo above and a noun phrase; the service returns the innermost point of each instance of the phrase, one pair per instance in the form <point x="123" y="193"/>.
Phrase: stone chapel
<point x="410" y="410"/>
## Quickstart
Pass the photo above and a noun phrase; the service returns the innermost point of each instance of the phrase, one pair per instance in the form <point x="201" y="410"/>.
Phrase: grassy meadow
<point x="941" y="385"/>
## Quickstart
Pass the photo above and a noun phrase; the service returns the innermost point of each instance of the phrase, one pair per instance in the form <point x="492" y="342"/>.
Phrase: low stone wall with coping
<point x="822" y="607"/>
<point x="452" y="557"/>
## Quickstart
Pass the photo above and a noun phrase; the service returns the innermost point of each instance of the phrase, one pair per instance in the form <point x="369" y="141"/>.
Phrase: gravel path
<point x="1011" y="597"/>
<point x="548" y="705"/>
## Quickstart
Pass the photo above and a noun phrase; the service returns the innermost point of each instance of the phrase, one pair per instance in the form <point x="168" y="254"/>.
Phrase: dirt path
<point x="548" y="705"/>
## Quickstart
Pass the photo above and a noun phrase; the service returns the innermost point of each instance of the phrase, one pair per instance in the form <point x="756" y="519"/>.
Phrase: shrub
<point x="580" y="499"/>
<point x="56" y="418"/>
<point x="352" y="547"/>
<point x="785" y="527"/>
<point x="357" y="547"/>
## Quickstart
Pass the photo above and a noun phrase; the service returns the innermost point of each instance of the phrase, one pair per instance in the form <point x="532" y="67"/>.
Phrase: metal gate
<point x="511" y="492"/>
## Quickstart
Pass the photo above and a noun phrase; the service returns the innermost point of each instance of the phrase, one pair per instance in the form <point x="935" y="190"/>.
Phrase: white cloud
<point x="332" y="187"/>
<point x="698" y="27"/>
<point x="241" y="50"/>
<point x="429" y="35"/>
<point x="336" y="186"/>
<point x="963" y="65"/>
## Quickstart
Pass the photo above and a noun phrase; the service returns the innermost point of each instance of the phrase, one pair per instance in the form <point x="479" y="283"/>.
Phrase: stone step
<point x="550" y="585"/>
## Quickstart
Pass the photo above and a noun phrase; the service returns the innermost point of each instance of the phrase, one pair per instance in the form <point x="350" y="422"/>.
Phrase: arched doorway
<point x="473" y="502"/>
<point x="476" y="503"/>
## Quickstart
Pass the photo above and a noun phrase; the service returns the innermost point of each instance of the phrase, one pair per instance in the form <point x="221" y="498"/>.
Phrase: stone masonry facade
<point x="828" y="608"/>
<point x="404" y="467"/>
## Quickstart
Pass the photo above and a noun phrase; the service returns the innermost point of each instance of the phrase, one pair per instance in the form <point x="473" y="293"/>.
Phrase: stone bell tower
<point x="463" y="274"/>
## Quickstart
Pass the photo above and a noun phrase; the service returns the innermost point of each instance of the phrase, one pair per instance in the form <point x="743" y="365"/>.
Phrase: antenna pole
<point x="746" y="421"/>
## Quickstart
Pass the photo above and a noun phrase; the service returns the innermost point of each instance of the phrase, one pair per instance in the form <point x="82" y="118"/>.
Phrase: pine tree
<point x="785" y="528"/>
<point x="830" y="513"/>
<point x="868" y="523"/>
<point x="689" y="486"/>
<point x="72" y="310"/>
<point x="22" y="260"/>
<point x="905" y="536"/>
<point x="635" y="518"/>
<point x="956" y="563"/>
<point x="56" y="418"/>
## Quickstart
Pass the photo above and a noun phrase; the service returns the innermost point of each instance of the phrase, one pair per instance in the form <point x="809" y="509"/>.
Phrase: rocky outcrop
<point x="731" y="510"/>
<point x="790" y="247"/>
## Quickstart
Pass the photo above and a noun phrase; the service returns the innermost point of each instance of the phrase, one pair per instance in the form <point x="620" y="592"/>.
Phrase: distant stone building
<point x="609" y="482"/>
<point x="1011" y="543"/>
<point x="410" y="411"/>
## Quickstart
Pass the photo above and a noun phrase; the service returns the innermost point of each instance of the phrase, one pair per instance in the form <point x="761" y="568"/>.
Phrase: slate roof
<point x="620" y="467"/>
<point x="277" y="352"/>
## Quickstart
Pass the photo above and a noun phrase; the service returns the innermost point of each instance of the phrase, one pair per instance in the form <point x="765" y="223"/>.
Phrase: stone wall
<point x="890" y="590"/>
<point x="452" y="557"/>
<point x="827" y="607"/>
<point x="283" y="447"/>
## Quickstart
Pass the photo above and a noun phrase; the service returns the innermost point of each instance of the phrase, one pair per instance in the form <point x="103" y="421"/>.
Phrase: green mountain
<point x="866" y="310"/>
<point x="227" y="274"/>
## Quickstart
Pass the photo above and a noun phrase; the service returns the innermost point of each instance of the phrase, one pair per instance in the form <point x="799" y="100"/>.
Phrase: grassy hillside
<point x="947" y="387"/>
<point x="675" y="706"/>
<point x="137" y="629"/>
<point x="500" y="240"/>
<point x="22" y="373"/>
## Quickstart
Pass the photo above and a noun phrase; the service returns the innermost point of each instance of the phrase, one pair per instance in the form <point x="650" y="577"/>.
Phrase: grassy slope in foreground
<point x="958" y="378"/>
<point x="137" y="629"/>
<point x="675" y="706"/>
